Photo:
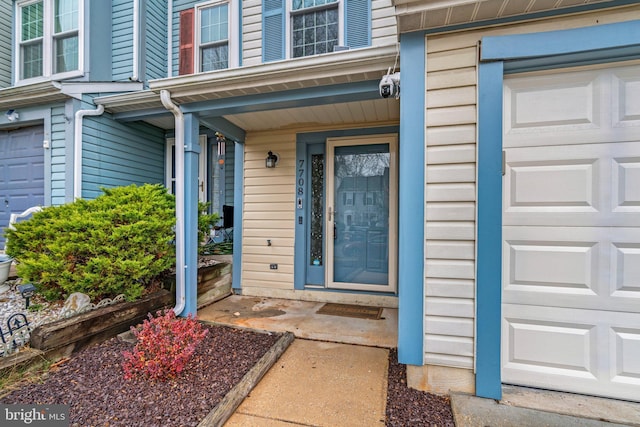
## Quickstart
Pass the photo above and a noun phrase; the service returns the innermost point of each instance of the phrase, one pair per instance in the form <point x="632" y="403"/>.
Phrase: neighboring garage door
<point x="21" y="172"/>
<point x="571" y="231"/>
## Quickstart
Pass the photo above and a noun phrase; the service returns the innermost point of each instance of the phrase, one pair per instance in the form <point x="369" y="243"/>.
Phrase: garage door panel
<point x="582" y="185"/>
<point x="585" y="351"/>
<point x="21" y="172"/>
<point x="588" y="267"/>
<point x="625" y="346"/>
<point x="625" y="270"/>
<point x="625" y="179"/>
<point x="626" y="98"/>
<point x="586" y="107"/>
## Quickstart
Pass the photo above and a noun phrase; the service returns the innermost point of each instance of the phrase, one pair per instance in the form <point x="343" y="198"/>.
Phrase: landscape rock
<point x="76" y="302"/>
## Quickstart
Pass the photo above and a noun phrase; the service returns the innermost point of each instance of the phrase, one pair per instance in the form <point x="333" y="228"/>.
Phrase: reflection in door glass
<point x="361" y="235"/>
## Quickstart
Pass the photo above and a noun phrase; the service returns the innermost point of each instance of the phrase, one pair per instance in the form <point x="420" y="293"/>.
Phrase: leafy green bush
<point x="114" y="244"/>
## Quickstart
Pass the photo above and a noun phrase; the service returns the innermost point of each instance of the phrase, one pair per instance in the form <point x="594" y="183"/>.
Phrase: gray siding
<point x="155" y="40"/>
<point x="116" y="154"/>
<point x="122" y="39"/>
<point x="6" y="14"/>
<point x="59" y="162"/>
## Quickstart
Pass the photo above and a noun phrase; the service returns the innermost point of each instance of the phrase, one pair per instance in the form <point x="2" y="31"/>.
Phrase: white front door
<point x="571" y="231"/>
<point x="361" y="213"/>
<point x="170" y="167"/>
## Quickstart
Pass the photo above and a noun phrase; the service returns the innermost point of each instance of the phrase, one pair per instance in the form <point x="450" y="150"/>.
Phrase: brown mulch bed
<point x="92" y="383"/>
<point x="410" y="407"/>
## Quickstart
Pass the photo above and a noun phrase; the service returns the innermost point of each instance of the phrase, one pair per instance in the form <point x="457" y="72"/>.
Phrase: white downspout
<point x="165" y="97"/>
<point x="136" y="41"/>
<point x="77" y="148"/>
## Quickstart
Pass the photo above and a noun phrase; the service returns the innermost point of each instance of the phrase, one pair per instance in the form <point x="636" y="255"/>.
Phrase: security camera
<point x="390" y="85"/>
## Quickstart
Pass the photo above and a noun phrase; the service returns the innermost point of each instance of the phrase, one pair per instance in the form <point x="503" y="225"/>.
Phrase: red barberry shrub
<point x="165" y="345"/>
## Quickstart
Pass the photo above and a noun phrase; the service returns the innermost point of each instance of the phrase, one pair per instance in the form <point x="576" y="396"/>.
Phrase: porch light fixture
<point x="272" y="160"/>
<point x="12" y="115"/>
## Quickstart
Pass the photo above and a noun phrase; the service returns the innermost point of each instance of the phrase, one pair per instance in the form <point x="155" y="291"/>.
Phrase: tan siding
<point x="268" y="211"/>
<point x="251" y="32"/>
<point x="450" y="156"/>
<point x="383" y="23"/>
<point x="450" y="210"/>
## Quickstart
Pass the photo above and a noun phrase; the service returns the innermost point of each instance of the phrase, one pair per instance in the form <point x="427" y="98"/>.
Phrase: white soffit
<point x="429" y="14"/>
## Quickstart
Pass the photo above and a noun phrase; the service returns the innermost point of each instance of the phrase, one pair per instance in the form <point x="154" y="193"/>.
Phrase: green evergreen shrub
<point x="114" y="244"/>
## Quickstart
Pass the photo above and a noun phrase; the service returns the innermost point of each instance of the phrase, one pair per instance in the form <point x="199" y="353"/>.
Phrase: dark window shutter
<point x="273" y="25"/>
<point x="186" y="42"/>
<point x="357" y="23"/>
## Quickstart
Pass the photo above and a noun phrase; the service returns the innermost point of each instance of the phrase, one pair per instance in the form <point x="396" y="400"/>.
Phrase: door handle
<point x="201" y="185"/>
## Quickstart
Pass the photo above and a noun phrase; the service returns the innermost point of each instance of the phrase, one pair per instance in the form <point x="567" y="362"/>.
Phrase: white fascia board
<point x="299" y="70"/>
<point x="29" y="95"/>
<point x="76" y="90"/>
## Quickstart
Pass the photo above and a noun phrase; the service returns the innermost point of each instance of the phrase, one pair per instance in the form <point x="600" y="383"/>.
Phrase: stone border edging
<point x="230" y="402"/>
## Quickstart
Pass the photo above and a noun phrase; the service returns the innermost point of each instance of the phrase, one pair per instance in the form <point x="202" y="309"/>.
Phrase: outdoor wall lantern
<point x="27" y="290"/>
<point x="272" y="160"/>
<point x="12" y="115"/>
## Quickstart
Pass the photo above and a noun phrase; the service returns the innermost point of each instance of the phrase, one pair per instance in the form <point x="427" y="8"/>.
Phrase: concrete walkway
<point x="319" y="384"/>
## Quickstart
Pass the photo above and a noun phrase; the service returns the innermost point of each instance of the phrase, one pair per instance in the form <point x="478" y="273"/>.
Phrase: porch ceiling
<point x="416" y="15"/>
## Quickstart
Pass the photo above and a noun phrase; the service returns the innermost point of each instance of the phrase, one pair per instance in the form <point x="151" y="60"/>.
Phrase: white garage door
<point x="571" y="231"/>
<point x="21" y="172"/>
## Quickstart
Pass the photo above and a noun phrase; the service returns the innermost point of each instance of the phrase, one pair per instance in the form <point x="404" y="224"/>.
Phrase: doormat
<point x="350" y="310"/>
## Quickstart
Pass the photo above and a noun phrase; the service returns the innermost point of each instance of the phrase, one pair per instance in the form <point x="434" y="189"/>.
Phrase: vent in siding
<point x="358" y="23"/>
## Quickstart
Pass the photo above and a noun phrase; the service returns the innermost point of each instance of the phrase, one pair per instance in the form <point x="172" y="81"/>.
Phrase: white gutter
<point x="77" y="148"/>
<point x="136" y="41"/>
<point x="165" y="97"/>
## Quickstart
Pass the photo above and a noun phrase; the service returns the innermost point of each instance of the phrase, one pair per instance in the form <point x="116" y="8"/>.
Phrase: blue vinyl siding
<point x="122" y="39"/>
<point x="273" y="27"/>
<point x="155" y="40"/>
<point x="357" y="31"/>
<point x="59" y="129"/>
<point x="6" y="13"/>
<point x="116" y="154"/>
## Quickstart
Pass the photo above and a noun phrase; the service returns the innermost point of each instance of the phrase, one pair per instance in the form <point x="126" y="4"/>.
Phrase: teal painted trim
<point x="616" y="38"/>
<point x="238" y="185"/>
<point x="225" y="127"/>
<point x="303" y="141"/>
<point x="318" y="95"/>
<point x="411" y="201"/>
<point x="489" y="245"/>
<point x="586" y="39"/>
<point x="191" y="161"/>
<point x="532" y="16"/>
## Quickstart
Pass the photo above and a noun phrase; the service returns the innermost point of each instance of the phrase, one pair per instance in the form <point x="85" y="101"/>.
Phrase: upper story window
<point x="315" y="26"/>
<point x="296" y="28"/>
<point x="214" y="37"/>
<point x="207" y="39"/>
<point x="49" y="38"/>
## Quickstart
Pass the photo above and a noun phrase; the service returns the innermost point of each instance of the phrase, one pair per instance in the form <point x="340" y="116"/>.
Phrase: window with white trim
<point x="215" y="24"/>
<point x="315" y="26"/>
<point x="49" y="38"/>
<point x="297" y="28"/>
